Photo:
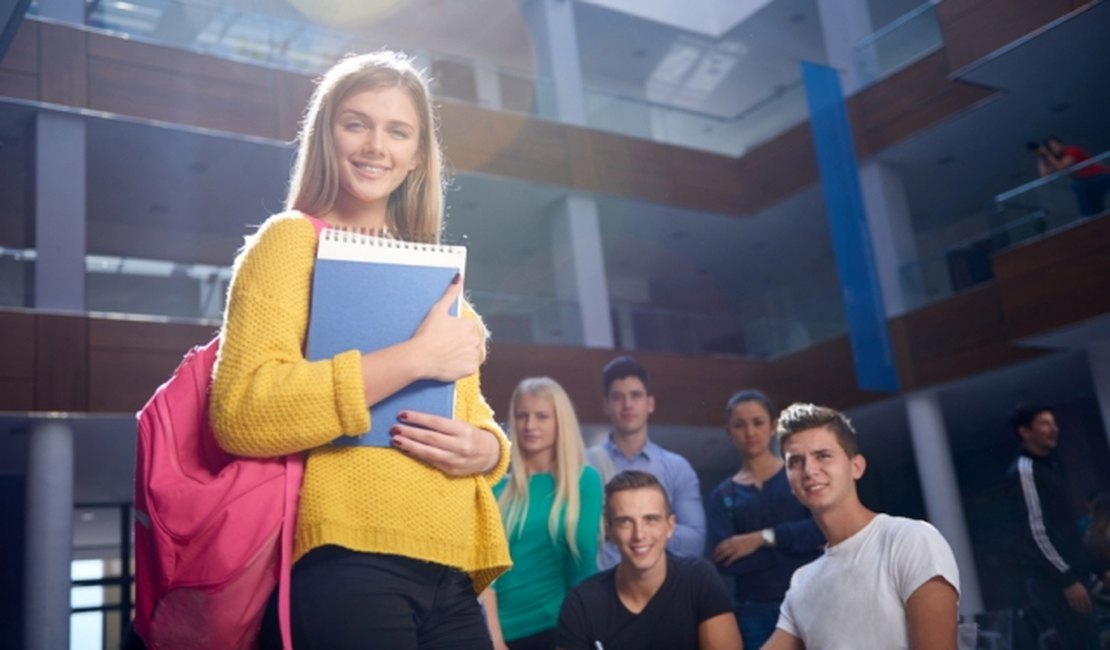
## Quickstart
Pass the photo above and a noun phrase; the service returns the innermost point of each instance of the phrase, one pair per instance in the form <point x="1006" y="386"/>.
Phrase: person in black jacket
<point x="1052" y="556"/>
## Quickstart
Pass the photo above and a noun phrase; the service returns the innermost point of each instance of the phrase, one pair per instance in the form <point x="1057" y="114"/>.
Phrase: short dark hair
<point x="621" y="367"/>
<point x="749" y="395"/>
<point x="800" y="417"/>
<point x="1024" y="414"/>
<point x="633" y="479"/>
<point x="1053" y="138"/>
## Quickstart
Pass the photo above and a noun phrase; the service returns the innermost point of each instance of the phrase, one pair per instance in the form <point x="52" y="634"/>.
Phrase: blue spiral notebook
<point x="369" y="293"/>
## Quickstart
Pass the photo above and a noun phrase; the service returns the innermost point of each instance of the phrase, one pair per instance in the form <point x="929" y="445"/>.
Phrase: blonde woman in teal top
<point x="551" y="505"/>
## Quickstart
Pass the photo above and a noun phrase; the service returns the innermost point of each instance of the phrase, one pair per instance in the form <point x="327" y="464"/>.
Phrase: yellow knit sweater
<point x="267" y="400"/>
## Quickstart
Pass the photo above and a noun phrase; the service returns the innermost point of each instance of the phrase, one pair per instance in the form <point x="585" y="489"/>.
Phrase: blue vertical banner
<point x="855" y="257"/>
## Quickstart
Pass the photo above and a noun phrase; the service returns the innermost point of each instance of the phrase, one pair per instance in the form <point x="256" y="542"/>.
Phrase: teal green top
<point x="544" y="570"/>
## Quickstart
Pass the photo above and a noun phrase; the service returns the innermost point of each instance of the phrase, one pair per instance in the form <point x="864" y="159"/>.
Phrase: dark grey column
<point x="59" y="212"/>
<point x="49" y="548"/>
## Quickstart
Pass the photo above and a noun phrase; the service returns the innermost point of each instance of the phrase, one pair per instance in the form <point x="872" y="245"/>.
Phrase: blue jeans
<point x="1090" y="193"/>
<point x="757" y="622"/>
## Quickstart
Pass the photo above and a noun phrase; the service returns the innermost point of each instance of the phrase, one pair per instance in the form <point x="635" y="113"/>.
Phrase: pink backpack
<point x="213" y="532"/>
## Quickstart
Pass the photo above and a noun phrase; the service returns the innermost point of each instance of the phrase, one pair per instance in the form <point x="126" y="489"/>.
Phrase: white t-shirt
<point x="854" y="596"/>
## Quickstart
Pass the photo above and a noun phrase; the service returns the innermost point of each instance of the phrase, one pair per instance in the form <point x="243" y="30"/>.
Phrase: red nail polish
<point x="457" y="278"/>
<point x="395" y="431"/>
<point x="403" y="415"/>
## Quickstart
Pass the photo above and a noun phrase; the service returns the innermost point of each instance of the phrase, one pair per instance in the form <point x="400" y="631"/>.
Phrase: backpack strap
<point x="294" y="473"/>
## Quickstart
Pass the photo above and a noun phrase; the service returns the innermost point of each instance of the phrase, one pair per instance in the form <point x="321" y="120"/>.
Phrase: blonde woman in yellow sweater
<point x="392" y="544"/>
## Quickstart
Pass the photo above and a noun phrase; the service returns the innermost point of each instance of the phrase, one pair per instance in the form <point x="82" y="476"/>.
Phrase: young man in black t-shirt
<point x="651" y="599"/>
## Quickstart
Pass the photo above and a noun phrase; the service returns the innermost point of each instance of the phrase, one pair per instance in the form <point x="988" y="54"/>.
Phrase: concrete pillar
<point x="488" y="83"/>
<point x="59" y="212"/>
<point x="49" y="548"/>
<point x="625" y="325"/>
<point x="579" y="263"/>
<point x="580" y="270"/>
<point x="843" y="24"/>
<point x="1098" y="360"/>
<point x="555" y="42"/>
<point x="892" y="236"/>
<point x="59" y="284"/>
<point x="942" y="493"/>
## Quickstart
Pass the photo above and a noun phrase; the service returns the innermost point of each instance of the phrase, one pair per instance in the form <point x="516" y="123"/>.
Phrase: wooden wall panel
<point x="689" y="390"/>
<point x="291" y="93"/>
<point x="633" y="167"/>
<point x="19" y="68"/>
<point x="707" y="182"/>
<point x="1058" y="281"/>
<point x="153" y="241"/>
<point x="17" y="361"/>
<point x="909" y="101"/>
<point x="973" y="29"/>
<point x="775" y="170"/>
<point x="63" y="56"/>
<point x="161" y="83"/>
<point x="129" y="359"/>
<point x="958" y="337"/>
<point x="479" y="139"/>
<point x="822" y="374"/>
<point x="61" y="363"/>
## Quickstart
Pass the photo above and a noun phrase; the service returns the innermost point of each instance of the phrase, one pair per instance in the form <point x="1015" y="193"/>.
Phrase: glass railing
<point x="898" y="44"/>
<point x="128" y="285"/>
<point x="1016" y="216"/>
<point x="102" y="583"/>
<point x="637" y="326"/>
<point x="16" y="269"/>
<point x="966" y="263"/>
<point x="1060" y="197"/>
<point x="196" y="293"/>
<point x="732" y="136"/>
<point x="540" y="320"/>
<point x="643" y="327"/>
<point x="290" y="42"/>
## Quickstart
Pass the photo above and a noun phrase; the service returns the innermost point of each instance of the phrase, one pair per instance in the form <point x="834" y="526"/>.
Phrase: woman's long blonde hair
<point x="415" y="209"/>
<point x="570" y="459"/>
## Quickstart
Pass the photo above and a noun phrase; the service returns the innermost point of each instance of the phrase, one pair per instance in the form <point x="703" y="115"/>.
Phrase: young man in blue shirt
<point x="629" y="404"/>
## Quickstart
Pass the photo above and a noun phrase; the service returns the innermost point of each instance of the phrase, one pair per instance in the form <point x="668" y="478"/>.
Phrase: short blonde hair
<point x="415" y="209"/>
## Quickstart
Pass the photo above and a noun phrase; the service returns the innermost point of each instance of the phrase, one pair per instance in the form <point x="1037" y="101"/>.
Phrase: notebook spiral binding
<point x="382" y="237"/>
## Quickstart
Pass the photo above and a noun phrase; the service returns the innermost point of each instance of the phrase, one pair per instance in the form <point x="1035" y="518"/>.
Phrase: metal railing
<point x="121" y="608"/>
<point x="897" y="44"/>
<point x="1018" y="215"/>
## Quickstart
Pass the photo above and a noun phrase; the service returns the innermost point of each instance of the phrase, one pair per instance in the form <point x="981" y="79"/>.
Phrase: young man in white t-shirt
<point x="883" y="582"/>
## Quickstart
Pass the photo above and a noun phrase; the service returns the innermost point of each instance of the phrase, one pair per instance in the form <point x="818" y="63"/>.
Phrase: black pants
<point x="345" y="599"/>
<point x="1053" y="623"/>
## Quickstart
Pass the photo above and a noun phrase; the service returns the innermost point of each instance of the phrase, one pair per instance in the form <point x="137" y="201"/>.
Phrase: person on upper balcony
<point x="1090" y="183"/>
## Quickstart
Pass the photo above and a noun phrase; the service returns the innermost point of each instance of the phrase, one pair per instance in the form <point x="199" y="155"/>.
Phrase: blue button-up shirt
<point x="677" y="478"/>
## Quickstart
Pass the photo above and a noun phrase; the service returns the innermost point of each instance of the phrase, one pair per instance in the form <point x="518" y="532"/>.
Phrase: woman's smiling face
<point x="376" y="137"/>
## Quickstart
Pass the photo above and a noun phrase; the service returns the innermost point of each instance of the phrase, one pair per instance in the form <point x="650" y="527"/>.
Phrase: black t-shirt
<point x="691" y="593"/>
